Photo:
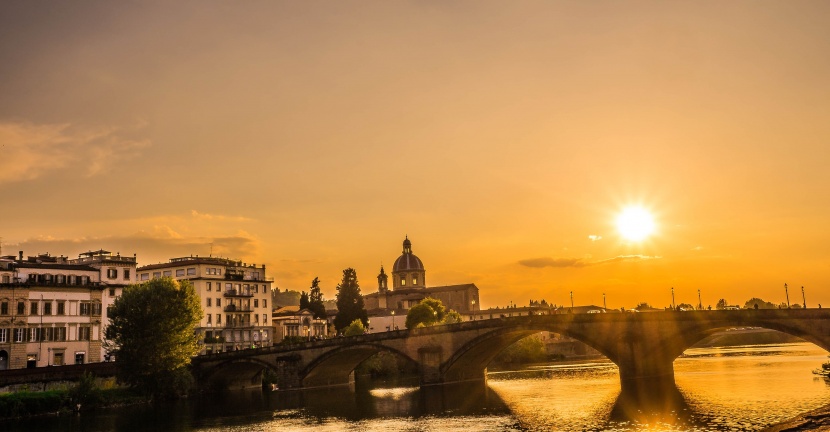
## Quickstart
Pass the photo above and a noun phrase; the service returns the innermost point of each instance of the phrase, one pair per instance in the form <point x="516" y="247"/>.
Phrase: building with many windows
<point x="234" y="297"/>
<point x="53" y="310"/>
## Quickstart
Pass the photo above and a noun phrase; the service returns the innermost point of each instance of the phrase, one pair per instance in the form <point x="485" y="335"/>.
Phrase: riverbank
<point x="816" y="421"/>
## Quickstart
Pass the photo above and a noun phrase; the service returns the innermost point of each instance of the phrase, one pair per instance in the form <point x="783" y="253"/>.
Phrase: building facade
<point x="291" y="321"/>
<point x="53" y="310"/>
<point x="387" y="308"/>
<point x="234" y="297"/>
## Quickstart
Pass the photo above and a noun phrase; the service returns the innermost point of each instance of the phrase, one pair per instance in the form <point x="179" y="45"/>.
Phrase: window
<point x="33" y="308"/>
<point x="414" y="280"/>
<point x="127" y="274"/>
<point x="85" y="309"/>
<point x="6" y="279"/>
<point x="191" y="271"/>
<point x="265" y="303"/>
<point x="218" y="302"/>
<point x="112" y="292"/>
<point x="96" y="308"/>
<point x="33" y="334"/>
<point x="71" y="279"/>
<point x="4" y="308"/>
<point x="256" y="318"/>
<point x="18" y="334"/>
<point x="4" y="335"/>
<point x="61" y="279"/>
<point x="209" y="316"/>
<point x="60" y="333"/>
<point x="83" y="333"/>
<point x="168" y="273"/>
<point x="112" y="273"/>
<point x="47" y="308"/>
<point x="403" y="281"/>
<point x="256" y="303"/>
<point x="145" y="276"/>
<point x="179" y="272"/>
<point x="218" y="318"/>
<point x="265" y="318"/>
<point x="61" y="308"/>
<point x="21" y="308"/>
<point x="208" y="300"/>
<point x="228" y="286"/>
<point x="156" y="275"/>
<point x="209" y="286"/>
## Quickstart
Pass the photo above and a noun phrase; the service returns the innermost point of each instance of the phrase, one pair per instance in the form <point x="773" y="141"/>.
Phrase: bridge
<point x="642" y="345"/>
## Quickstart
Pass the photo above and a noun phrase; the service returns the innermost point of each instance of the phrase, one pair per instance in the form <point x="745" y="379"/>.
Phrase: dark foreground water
<point x="718" y="389"/>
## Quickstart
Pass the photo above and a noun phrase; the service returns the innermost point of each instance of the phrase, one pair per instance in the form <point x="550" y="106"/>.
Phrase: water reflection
<point x="715" y="391"/>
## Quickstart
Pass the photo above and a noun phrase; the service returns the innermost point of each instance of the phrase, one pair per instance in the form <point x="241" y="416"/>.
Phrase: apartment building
<point x="234" y="297"/>
<point x="53" y="310"/>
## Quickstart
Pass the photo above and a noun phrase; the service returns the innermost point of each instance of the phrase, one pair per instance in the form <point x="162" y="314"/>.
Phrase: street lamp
<point x="804" y="299"/>
<point x="699" y="301"/>
<point x="572" y="299"/>
<point x="393" y="320"/>
<point x="787" y="293"/>
<point x="604" y="306"/>
<point x="672" y="298"/>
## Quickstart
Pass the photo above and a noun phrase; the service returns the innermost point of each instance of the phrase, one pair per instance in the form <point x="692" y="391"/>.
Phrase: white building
<point x="234" y="297"/>
<point x="291" y="321"/>
<point x="53" y="310"/>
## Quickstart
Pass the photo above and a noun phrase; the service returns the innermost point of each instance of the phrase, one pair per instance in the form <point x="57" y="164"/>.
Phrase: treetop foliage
<point x="151" y="332"/>
<point x="349" y="302"/>
<point x="428" y="312"/>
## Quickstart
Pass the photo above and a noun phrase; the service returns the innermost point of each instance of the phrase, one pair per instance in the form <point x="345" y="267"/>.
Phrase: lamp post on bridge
<point x="699" y="301"/>
<point x="787" y="293"/>
<point x="572" y="299"/>
<point x="672" y="299"/>
<point x="804" y="299"/>
<point x="604" y="305"/>
<point x="393" y="320"/>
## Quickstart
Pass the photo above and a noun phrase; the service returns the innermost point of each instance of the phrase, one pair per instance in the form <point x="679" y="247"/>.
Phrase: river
<point x="717" y="389"/>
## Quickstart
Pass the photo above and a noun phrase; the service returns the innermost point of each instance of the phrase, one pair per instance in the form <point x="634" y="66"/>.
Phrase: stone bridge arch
<point x="336" y="366"/>
<point x="234" y="373"/>
<point x="470" y="361"/>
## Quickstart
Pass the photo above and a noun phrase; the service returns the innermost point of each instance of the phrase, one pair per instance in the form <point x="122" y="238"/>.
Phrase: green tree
<point x="750" y="304"/>
<point x="349" y="302"/>
<point x="452" y="317"/>
<point x="643" y="306"/>
<point x="151" y="332"/>
<point x="284" y="298"/>
<point x="315" y="300"/>
<point x="685" y="306"/>
<point x="527" y="350"/>
<point x="430" y="311"/>
<point x="304" y="303"/>
<point x="722" y="304"/>
<point x="355" y="328"/>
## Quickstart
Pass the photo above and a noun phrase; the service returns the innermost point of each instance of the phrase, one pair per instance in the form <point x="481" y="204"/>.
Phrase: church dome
<point x="407" y="261"/>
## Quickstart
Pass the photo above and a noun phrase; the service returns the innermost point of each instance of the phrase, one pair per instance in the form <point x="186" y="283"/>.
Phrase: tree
<point x="151" y="332"/>
<point x="430" y="311"/>
<point x="355" y="328"/>
<point x="750" y="304"/>
<point x="722" y="304"/>
<point x="643" y="306"/>
<point x="315" y="300"/>
<point x="284" y="298"/>
<point x="349" y="302"/>
<point x="527" y="350"/>
<point x="685" y="306"/>
<point x="304" y="303"/>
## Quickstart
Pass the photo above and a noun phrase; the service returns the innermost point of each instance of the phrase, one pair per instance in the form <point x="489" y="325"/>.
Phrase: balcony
<point x="238" y="293"/>
<point x="239" y="324"/>
<point x="235" y="308"/>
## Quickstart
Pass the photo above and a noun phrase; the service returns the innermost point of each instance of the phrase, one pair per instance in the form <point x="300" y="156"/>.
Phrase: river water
<point x="717" y="389"/>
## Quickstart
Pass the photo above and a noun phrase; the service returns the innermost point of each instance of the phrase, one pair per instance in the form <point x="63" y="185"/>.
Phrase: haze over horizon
<point x="504" y="139"/>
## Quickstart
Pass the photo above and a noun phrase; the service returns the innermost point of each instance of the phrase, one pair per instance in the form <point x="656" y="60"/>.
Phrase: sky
<point x="504" y="138"/>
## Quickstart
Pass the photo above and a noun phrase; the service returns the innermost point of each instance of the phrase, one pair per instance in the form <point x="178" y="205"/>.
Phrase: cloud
<point x="215" y="217"/>
<point x="594" y="237"/>
<point x="553" y="262"/>
<point x="580" y="262"/>
<point x="156" y="245"/>
<point x="28" y="151"/>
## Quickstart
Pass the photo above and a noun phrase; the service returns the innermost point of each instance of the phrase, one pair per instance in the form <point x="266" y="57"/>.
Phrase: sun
<point x="635" y="223"/>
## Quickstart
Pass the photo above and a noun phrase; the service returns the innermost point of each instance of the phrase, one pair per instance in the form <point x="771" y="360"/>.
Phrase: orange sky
<point x="500" y="136"/>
